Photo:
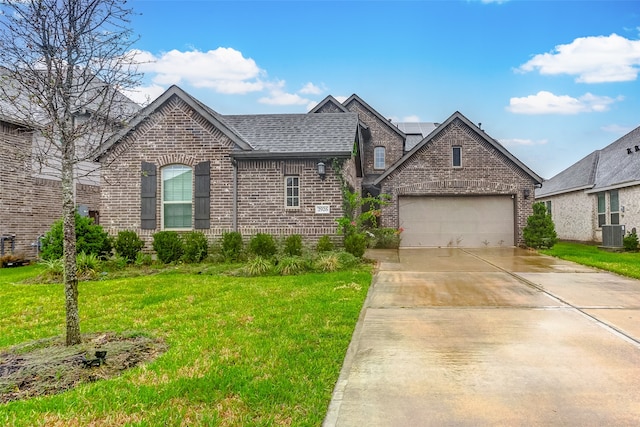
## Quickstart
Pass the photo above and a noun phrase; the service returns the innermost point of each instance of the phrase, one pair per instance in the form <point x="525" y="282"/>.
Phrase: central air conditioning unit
<point x="612" y="236"/>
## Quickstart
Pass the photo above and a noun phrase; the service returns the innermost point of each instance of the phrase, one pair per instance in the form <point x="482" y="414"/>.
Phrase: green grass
<point x="241" y="351"/>
<point x="624" y="263"/>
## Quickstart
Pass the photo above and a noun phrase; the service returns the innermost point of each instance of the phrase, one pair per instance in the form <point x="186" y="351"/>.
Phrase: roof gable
<point x="356" y="98"/>
<point x="211" y="116"/>
<point x="616" y="165"/>
<point x="458" y="116"/>
<point x="329" y="104"/>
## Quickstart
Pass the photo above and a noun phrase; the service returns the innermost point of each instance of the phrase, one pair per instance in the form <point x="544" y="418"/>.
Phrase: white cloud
<point x="278" y="96"/>
<point x="311" y="89"/>
<point x="411" y="119"/>
<point x="547" y="103"/>
<point x="143" y="95"/>
<point x="591" y="59"/>
<point x="617" y="129"/>
<point x="519" y="141"/>
<point x="225" y="70"/>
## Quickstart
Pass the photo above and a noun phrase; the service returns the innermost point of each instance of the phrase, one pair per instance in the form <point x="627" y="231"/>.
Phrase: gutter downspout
<point x="234" y="213"/>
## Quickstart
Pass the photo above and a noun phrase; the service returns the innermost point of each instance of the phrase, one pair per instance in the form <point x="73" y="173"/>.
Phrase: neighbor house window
<point x="614" y="207"/>
<point x="378" y="158"/>
<point x="548" y="206"/>
<point x="457" y="157"/>
<point x="177" y="190"/>
<point x="602" y="210"/>
<point x="292" y="191"/>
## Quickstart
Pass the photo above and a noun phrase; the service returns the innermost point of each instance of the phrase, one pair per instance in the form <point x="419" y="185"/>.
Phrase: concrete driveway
<point x="473" y="337"/>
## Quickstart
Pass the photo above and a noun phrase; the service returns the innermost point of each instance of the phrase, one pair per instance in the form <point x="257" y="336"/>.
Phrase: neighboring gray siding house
<point x="180" y="165"/>
<point x="599" y="190"/>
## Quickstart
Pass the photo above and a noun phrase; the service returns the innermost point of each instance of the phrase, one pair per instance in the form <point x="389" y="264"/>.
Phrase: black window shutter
<point x="148" y="185"/>
<point x="202" y="196"/>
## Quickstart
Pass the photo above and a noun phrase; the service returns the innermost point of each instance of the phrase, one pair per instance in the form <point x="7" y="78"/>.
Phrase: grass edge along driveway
<point x="242" y="351"/>
<point x="623" y="263"/>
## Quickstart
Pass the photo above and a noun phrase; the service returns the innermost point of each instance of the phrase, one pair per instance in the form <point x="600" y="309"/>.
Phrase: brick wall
<point x="381" y="136"/>
<point x="29" y="205"/>
<point x="484" y="171"/>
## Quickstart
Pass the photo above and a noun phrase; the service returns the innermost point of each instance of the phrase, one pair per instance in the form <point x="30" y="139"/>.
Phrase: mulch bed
<point x="47" y="366"/>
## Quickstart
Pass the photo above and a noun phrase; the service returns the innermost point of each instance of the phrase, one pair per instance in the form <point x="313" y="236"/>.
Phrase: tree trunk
<point x="69" y="247"/>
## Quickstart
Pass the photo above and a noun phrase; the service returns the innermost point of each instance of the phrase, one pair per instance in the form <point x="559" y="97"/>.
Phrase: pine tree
<point x="540" y="231"/>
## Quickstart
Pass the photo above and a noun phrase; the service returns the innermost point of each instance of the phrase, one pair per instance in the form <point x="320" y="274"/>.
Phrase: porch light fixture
<point x="526" y="193"/>
<point x="322" y="170"/>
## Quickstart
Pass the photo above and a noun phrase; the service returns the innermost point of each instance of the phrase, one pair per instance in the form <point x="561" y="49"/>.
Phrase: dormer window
<point x="379" y="158"/>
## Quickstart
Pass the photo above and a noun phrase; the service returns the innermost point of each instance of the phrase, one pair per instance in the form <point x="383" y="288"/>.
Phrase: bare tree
<point x="65" y="63"/>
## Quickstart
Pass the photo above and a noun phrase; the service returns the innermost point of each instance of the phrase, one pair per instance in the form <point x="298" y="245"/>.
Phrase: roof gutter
<point x="613" y="187"/>
<point x="568" y="190"/>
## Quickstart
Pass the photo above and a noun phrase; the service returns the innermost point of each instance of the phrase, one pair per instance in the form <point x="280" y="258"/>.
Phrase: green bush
<point x="290" y="265"/>
<point x="293" y="245"/>
<point x="196" y="247"/>
<point x="168" y="246"/>
<point x="258" y="266"/>
<point x="630" y="241"/>
<point x="540" y="231"/>
<point x="143" y="259"/>
<point x="327" y="262"/>
<point x="355" y="244"/>
<point x="90" y="239"/>
<point x="347" y="260"/>
<point x="231" y="246"/>
<point x="128" y="245"/>
<point x="385" y="238"/>
<point x="263" y="245"/>
<point x="324" y="244"/>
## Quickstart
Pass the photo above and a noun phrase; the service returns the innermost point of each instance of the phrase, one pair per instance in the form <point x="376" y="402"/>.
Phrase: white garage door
<point x="457" y="221"/>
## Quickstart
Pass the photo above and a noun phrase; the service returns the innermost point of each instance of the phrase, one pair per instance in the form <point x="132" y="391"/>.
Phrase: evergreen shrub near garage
<point x="630" y="241"/>
<point x="231" y="245"/>
<point x="293" y="245"/>
<point x="355" y="244"/>
<point x="324" y="244"/>
<point x="540" y="232"/>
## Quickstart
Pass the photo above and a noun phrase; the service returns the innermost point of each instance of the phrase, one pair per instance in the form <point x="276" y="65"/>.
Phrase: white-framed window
<point x="456" y="156"/>
<point x="602" y="210"/>
<point x="379" y="158"/>
<point x="292" y="191"/>
<point x="614" y="207"/>
<point x="177" y="192"/>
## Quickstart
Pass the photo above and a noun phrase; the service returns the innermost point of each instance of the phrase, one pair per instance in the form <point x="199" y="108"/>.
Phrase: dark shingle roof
<point x="296" y="133"/>
<point x="416" y="132"/>
<point x="613" y="166"/>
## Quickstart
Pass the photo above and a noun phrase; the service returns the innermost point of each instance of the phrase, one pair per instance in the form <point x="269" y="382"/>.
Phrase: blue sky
<point x="551" y="80"/>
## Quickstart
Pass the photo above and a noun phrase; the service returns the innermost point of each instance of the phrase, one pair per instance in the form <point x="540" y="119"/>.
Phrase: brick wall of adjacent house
<point x="381" y="136"/>
<point x="575" y="214"/>
<point x="484" y="171"/>
<point x="29" y="205"/>
<point x="176" y="134"/>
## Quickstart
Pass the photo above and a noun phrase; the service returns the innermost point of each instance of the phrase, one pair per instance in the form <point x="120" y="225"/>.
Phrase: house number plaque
<point x="323" y="209"/>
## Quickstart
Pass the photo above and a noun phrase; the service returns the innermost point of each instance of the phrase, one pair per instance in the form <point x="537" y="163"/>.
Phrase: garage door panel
<point x="457" y="221"/>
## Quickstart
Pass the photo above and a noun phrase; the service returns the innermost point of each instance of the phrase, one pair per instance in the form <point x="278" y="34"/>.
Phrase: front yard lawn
<point x="239" y="350"/>
<point x="623" y="263"/>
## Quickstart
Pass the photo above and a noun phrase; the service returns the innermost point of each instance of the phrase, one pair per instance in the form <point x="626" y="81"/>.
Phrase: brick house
<point x="597" y="192"/>
<point x="179" y="165"/>
<point x="31" y="198"/>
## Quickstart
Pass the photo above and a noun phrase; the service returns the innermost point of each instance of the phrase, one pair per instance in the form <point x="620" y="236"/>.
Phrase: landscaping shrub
<point x="90" y="239"/>
<point x="258" y="266"/>
<point x="347" y="260"/>
<point x="196" y="247"/>
<point x="143" y="259"/>
<point x="630" y="241"/>
<point x="168" y="246"/>
<point x="324" y="244"/>
<point x="327" y="262"/>
<point x="355" y="244"/>
<point x="128" y="245"/>
<point x="263" y="245"/>
<point x="385" y="238"/>
<point x="293" y="245"/>
<point x="290" y="265"/>
<point x="539" y="231"/>
<point x="231" y="246"/>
